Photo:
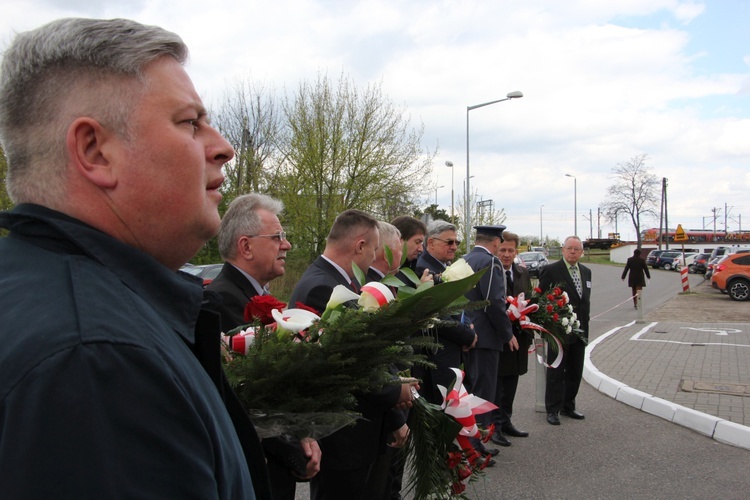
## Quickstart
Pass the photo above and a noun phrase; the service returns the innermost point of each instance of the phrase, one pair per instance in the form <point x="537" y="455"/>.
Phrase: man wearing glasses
<point x="254" y="246"/>
<point x="563" y="381"/>
<point x="442" y="244"/>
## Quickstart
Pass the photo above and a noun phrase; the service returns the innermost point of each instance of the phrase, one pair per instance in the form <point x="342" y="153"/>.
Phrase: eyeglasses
<point x="280" y="236"/>
<point x="448" y="242"/>
<point x="574" y="249"/>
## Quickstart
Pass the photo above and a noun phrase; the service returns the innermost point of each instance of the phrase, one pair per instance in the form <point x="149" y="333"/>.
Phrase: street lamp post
<point x="575" y="204"/>
<point x="436" y="190"/>
<point x="541" y="230"/>
<point x="511" y="95"/>
<point x="449" y="164"/>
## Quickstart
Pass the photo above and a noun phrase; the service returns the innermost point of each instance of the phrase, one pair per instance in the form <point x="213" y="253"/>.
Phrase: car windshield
<point x="531" y="256"/>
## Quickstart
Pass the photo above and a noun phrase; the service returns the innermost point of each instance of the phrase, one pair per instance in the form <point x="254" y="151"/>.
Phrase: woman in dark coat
<point x="638" y="274"/>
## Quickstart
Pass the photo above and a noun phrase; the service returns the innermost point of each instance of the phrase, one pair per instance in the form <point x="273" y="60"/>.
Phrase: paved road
<point x="617" y="452"/>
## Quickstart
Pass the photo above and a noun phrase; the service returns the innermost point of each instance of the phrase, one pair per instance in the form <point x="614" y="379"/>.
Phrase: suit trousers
<point x="563" y="382"/>
<point x="504" y="396"/>
<point x="482" y="370"/>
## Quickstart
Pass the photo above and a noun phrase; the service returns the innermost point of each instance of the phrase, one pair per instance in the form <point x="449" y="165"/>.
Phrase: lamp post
<point x="575" y="204"/>
<point x="436" y="189"/>
<point x="541" y="230"/>
<point x="449" y="164"/>
<point x="468" y="203"/>
<point x="511" y="95"/>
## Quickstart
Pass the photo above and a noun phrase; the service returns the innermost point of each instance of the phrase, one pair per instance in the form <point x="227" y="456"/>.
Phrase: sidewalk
<point x="693" y="374"/>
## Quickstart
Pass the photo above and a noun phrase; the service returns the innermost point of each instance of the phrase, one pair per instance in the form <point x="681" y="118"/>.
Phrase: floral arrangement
<point x="444" y="432"/>
<point x="292" y="368"/>
<point x="549" y="314"/>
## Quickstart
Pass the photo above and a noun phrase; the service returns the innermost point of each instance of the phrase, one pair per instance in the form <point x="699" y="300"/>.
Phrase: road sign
<point x="680" y="235"/>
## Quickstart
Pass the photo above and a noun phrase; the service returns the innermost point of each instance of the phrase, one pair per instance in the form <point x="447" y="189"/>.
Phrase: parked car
<point x="710" y="267"/>
<point x="732" y="275"/>
<point x="652" y="255"/>
<point x="699" y="264"/>
<point x="540" y="249"/>
<point x="208" y="271"/>
<point x="665" y="260"/>
<point x="534" y="262"/>
<point x="687" y="259"/>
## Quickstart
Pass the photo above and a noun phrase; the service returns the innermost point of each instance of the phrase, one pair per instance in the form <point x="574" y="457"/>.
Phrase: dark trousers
<point x="482" y="369"/>
<point x="505" y="394"/>
<point x="283" y="483"/>
<point x="563" y="382"/>
<point x="339" y="484"/>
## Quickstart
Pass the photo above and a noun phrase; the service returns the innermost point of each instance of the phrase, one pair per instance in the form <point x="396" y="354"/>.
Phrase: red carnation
<point x="557" y="290"/>
<point x="561" y="303"/>
<point x="550" y="297"/>
<point x="454" y="459"/>
<point x="555" y="317"/>
<point x="300" y="305"/>
<point x="550" y="308"/>
<point x="458" y="487"/>
<point x="260" y="308"/>
<point x="537" y="289"/>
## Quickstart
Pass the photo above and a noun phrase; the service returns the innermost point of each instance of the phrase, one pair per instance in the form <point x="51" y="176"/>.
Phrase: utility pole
<point x="666" y="218"/>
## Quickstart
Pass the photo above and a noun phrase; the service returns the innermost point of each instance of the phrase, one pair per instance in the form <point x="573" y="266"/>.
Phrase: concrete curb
<point x="721" y="430"/>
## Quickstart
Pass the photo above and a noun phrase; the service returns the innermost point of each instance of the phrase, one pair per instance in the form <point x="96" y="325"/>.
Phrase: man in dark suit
<point x="349" y="453"/>
<point x="253" y="245"/>
<point x="491" y="323"/>
<point x="638" y="269"/>
<point x="514" y="362"/>
<point x="442" y="244"/>
<point x="563" y="381"/>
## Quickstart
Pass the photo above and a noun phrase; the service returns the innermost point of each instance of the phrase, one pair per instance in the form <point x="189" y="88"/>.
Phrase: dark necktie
<point x="508" y="284"/>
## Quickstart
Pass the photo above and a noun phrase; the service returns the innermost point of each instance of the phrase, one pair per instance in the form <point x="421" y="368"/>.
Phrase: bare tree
<point x="483" y="213"/>
<point x="634" y="193"/>
<point x="248" y="118"/>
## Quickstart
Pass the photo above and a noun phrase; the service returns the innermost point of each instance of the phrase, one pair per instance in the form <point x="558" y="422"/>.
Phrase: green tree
<point x="434" y="212"/>
<point x="344" y="148"/>
<point x="634" y="192"/>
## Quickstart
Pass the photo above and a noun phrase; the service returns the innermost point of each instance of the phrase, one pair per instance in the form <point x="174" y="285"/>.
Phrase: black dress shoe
<point x="573" y="414"/>
<point x="553" y="419"/>
<point x="489" y="452"/>
<point x="499" y="439"/>
<point x="489" y="461"/>
<point x="510" y="430"/>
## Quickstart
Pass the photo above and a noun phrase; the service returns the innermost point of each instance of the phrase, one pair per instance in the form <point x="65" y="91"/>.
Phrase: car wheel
<point x="691" y="269"/>
<point x="739" y="289"/>
<point x="667" y="266"/>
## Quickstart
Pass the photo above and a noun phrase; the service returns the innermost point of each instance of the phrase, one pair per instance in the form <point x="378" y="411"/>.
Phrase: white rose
<point x="457" y="271"/>
<point x="564" y="321"/>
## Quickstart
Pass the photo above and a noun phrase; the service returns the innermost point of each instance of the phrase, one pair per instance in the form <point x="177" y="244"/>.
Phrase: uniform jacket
<point x="558" y="274"/>
<point x="110" y="373"/>
<point x="517" y="362"/>
<point x="638" y="271"/>
<point x="491" y="323"/>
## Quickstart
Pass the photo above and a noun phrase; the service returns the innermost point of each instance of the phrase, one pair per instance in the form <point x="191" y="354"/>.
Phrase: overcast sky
<point x="602" y="82"/>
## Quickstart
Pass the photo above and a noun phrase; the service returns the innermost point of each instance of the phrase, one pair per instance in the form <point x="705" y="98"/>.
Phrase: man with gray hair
<point x="110" y="381"/>
<point x="390" y="237"/>
<point x="442" y="244"/>
<point x="253" y="245"/>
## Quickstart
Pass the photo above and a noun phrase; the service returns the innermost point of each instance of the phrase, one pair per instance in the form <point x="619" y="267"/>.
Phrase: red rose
<point x="537" y="289"/>
<point x="555" y="317"/>
<point x="557" y="290"/>
<point x="550" y="308"/>
<point x="561" y="303"/>
<point x="454" y="458"/>
<point x="550" y="297"/>
<point x="260" y="308"/>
